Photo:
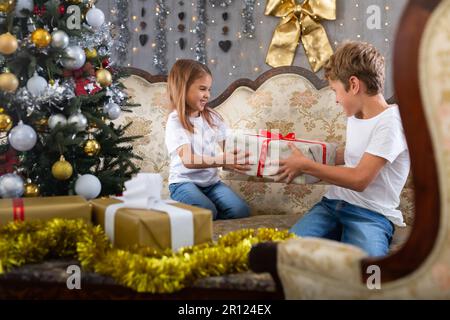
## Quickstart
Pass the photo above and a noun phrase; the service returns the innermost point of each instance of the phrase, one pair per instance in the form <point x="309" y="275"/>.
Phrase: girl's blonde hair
<point x="182" y="75"/>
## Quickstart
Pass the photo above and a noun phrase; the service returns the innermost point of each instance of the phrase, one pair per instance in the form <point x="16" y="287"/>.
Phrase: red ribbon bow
<point x="276" y="136"/>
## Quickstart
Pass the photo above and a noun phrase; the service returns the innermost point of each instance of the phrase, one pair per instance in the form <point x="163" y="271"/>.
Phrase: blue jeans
<point x="219" y="198"/>
<point x="341" y="221"/>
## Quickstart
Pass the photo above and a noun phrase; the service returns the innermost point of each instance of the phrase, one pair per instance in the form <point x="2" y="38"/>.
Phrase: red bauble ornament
<point x="62" y="9"/>
<point x="39" y="10"/>
<point x="8" y="161"/>
<point x="105" y="63"/>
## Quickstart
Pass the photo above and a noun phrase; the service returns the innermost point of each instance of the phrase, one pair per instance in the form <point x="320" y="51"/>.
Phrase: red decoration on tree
<point x="105" y="63"/>
<point x="62" y="9"/>
<point x="8" y="161"/>
<point x="84" y="80"/>
<point x="84" y="87"/>
<point x="39" y="10"/>
<point x="85" y="71"/>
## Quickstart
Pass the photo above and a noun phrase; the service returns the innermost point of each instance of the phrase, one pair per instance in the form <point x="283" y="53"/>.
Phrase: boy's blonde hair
<point x="182" y="75"/>
<point x="358" y="59"/>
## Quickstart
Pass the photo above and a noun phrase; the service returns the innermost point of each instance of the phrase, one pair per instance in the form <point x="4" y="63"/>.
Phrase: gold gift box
<point x="45" y="208"/>
<point x="149" y="228"/>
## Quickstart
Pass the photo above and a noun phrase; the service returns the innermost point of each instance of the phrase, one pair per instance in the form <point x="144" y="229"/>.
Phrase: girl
<point x="193" y="133"/>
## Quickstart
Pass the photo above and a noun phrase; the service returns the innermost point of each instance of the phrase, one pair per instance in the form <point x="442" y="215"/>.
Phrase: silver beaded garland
<point x="248" y="19"/>
<point x="200" y="32"/>
<point x="160" y="55"/>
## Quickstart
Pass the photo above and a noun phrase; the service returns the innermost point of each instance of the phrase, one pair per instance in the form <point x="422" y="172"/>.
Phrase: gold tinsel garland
<point x="142" y="269"/>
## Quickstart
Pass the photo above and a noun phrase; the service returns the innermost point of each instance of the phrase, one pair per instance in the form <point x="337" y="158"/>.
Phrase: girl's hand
<point x="237" y="161"/>
<point x="293" y="166"/>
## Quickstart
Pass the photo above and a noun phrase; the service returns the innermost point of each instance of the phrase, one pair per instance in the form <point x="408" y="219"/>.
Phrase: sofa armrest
<point x="309" y="264"/>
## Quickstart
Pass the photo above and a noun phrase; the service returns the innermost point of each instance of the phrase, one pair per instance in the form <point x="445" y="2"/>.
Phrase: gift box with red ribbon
<point x="45" y="208"/>
<point x="268" y="147"/>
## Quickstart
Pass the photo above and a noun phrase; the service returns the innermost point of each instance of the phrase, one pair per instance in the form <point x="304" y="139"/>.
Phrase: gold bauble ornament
<point x="31" y="190"/>
<point x="91" y="53"/>
<point x="7" y="6"/>
<point x="92" y="148"/>
<point x="8" y="44"/>
<point x="41" y="125"/>
<point x="5" y="122"/>
<point x="62" y="170"/>
<point x="41" y="38"/>
<point x="51" y="82"/>
<point x="104" y="77"/>
<point x="8" y="82"/>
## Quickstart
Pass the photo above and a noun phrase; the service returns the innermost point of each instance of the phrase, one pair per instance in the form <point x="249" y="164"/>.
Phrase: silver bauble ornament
<point x="88" y="186"/>
<point x="56" y="119"/>
<point x="22" y="137"/>
<point x="75" y="58"/>
<point x="36" y="85"/>
<point x="11" y="186"/>
<point x="23" y="4"/>
<point x="95" y="17"/>
<point x="79" y="120"/>
<point x="114" y="111"/>
<point x="60" y="39"/>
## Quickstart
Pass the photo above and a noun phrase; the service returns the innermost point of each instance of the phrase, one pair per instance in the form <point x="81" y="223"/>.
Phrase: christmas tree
<point x="59" y="93"/>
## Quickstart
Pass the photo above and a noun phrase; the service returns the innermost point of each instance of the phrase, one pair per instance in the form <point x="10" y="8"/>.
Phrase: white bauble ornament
<point x="79" y="120"/>
<point x="60" y="39"/>
<point x="76" y="57"/>
<point x="23" y="4"/>
<point x="56" y="119"/>
<point x="114" y="111"/>
<point x="108" y="106"/>
<point x="36" y="85"/>
<point x="11" y="186"/>
<point x="95" y="17"/>
<point x="22" y="137"/>
<point x="88" y="186"/>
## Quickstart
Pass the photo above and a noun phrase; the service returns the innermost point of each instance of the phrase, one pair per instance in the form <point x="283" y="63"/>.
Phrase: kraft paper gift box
<point x="266" y="148"/>
<point x="156" y="228"/>
<point x="45" y="208"/>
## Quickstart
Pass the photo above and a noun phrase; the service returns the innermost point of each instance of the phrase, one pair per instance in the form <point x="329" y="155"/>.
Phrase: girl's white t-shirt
<point x="204" y="141"/>
<point x="382" y="136"/>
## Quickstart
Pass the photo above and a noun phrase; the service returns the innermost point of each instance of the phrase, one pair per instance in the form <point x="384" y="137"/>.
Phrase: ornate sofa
<point x="290" y="99"/>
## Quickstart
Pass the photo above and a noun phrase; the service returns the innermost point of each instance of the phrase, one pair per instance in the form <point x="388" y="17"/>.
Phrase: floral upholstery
<point x="287" y="102"/>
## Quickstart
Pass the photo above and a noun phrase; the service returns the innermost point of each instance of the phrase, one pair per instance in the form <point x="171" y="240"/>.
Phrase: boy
<point x="360" y="207"/>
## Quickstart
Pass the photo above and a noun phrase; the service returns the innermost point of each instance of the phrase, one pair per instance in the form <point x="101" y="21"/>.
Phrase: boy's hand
<point x="293" y="166"/>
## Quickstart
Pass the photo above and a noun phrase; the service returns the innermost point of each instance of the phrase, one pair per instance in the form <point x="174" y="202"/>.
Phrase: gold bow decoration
<point x="300" y="21"/>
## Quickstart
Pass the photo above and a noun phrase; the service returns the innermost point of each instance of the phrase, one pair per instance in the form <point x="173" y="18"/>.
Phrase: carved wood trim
<point x="244" y="82"/>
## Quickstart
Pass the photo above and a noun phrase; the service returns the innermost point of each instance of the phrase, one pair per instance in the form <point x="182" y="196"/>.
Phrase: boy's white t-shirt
<point x="382" y="136"/>
<point x="204" y="141"/>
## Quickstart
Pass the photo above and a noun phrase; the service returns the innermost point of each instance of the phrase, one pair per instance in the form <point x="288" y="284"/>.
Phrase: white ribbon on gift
<point x="144" y="192"/>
